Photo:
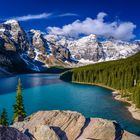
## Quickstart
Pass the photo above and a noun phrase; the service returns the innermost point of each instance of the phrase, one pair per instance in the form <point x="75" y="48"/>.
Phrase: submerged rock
<point x="67" y="125"/>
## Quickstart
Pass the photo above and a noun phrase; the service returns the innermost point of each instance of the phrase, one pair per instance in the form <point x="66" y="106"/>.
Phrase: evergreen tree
<point x="137" y="99"/>
<point x="19" y="111"/>
<point x="3" y="118"/>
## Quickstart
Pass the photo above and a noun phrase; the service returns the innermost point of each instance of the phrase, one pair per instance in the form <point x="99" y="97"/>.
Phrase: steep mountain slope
<point x="47" y="52"/>
<point x="13" y="36"/>
<point x="13" y="44"/>
<point x="123" y="75"/>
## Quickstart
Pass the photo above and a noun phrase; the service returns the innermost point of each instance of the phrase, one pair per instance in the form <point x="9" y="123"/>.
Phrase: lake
<point x="48" y="92"/>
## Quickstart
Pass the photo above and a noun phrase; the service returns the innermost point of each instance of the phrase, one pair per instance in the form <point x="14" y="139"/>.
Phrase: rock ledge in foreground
<point x="67" y="125"/>
<point x="9" y="133"/>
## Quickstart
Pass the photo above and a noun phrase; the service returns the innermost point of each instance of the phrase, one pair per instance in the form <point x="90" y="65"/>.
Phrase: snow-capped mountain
<point x="34" y="50"/>
<point x="90" y="50"/>
<point x="47" y="52"/>
<point x="14" y="36"/>
<point x="31" y="48"/>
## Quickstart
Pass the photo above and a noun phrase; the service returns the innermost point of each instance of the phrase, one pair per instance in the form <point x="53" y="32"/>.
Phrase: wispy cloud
<point x="40" y="16"/>
<point x="32" y="17"/>
<point x="68" y="15"/>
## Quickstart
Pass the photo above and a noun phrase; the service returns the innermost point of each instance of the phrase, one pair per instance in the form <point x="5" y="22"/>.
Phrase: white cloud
<point x="101" y="16"/>
<point x="118" y="30"/>
<point x="31" y="17"/>
<point x="68" y="15"/>
<point x="41" y="16"/>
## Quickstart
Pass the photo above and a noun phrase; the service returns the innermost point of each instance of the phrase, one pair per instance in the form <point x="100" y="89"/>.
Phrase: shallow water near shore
<point x="48" y="92"/>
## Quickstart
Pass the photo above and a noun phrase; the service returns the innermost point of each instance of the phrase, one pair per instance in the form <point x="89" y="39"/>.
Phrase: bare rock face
<point x="44" y="132"/>
<point x="9" y="133"/>
<point x="102" y="129"/>
<point x="14" y="37"/>
<point x="67" y="125"/>
<point x="43" y="51"/>
<point x="99" y="129"/>
<point x="128" y="136"/>
<point x="38" y="43"/>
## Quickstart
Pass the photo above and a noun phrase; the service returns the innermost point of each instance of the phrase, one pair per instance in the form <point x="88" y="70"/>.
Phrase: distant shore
<point x="94" y="84"/>
<point x="135" y="112"/>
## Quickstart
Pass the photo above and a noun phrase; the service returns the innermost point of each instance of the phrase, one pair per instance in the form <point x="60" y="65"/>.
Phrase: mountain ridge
<point x="40" y="51"/>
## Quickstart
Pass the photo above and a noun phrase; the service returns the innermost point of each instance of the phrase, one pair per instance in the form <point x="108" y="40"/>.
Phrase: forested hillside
<point x="123" y="75"/>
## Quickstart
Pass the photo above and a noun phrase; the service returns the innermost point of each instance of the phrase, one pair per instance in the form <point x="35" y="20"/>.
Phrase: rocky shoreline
<point x="64" y="125"/>
<point x="135" y="112"/>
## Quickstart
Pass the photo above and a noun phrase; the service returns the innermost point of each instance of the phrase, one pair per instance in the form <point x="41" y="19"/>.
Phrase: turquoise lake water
<point x="47" y="92"/>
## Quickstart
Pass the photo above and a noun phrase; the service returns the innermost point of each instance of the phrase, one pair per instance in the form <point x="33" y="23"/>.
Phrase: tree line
<point x="123" y="75"/>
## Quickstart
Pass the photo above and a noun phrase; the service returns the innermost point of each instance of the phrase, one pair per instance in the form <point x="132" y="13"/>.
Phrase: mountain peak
<point x="35" y="31"/>
<point x="11" y="21"/>
<point x="92" y="36"/>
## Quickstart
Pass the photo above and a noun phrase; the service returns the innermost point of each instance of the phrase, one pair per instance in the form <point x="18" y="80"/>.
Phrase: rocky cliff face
<point x="13" y="44"/>
<point x="47" y="52"/>
<point x="13" y="36"/>
<point x="38" y="44"/>
<point x="67" y="125"/>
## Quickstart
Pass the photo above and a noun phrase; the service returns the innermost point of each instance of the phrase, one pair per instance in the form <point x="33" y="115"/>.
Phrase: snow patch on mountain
<point x="11" y="21"/>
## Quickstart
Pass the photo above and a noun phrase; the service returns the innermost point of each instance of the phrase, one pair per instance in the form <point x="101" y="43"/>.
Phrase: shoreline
<point x="135" y="112"/>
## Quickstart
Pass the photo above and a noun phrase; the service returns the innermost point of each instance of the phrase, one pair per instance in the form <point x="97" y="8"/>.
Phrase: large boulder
<point x="67" y="125"/>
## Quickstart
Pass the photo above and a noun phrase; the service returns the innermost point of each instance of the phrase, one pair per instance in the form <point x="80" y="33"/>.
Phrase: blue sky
<point x="41" y="14"/>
